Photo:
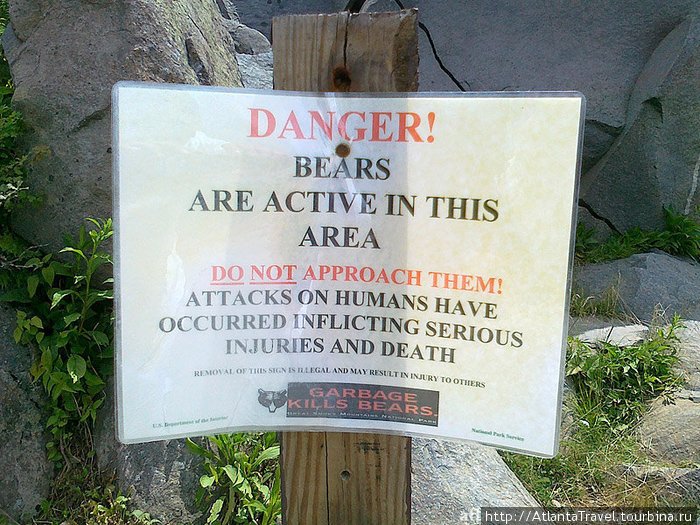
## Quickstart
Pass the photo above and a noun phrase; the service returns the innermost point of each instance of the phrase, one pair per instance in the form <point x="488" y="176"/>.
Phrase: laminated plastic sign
<point x="392" y="263"/>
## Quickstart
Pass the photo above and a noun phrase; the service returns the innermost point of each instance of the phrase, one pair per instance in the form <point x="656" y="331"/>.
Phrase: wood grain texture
<point x="306" y="49"/>
<point x="304" y="483"/>
<point x="382" y="51"/>
<point x="345" y="478"/>
<point x="379" y="51"/>
<point x="369" y="478"/>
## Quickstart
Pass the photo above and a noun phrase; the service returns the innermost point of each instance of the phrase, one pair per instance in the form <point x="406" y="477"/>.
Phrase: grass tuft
<point x="608" y="305"/>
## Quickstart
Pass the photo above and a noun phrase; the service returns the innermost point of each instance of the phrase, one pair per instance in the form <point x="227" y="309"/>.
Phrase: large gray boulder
<point x="259" y="15"/>
<point x="655" y="161"/>
<point x="66" y="56"/>
<point x="452" y="481"/>
<point x="26" y="472"/>
<point x="646" y="283"/>
<point x="162" y="477"/>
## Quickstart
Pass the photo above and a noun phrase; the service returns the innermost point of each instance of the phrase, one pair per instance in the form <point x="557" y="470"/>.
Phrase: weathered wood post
<point x="342" y="478"/>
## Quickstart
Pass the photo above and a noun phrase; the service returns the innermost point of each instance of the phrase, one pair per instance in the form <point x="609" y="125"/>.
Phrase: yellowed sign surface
<point x="392" y="264"/>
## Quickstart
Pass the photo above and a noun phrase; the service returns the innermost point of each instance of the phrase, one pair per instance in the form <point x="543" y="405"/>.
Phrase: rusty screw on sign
<point x="342" y="150"/>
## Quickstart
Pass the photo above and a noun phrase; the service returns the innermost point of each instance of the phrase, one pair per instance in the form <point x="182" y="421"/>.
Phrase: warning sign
<point x="377" y="263"/>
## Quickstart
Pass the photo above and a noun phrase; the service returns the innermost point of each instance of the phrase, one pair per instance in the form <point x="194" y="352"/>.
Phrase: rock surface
<point x="256" y="70"/>
<point x="658" y="153"/>
<point x="163" y="476"/>
<point x="451" y="481"/>
<point x="644" y="281"/>
<point x="601" y="229"/>
<point x="253" y="49"/>
<point x="579" y="325"/>
<point x="26" y="471"/>
<point x="688" y="365"/>
<point x="63" y="82"/>
<point x="674" y="484"/>
<point x="616" y="335"/>
<point x="671" y="430"/>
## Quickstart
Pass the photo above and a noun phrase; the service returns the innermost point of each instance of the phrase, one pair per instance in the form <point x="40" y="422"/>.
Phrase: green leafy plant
<point x="682" y="234"/>
<point x="614" y="384"/>
<point x="241" y="483"/>
<point x="616" y="247"/>
<point x="4" y="20"/>
<point x="585" y="241"/>
<point x="14" y="190"/>
<point x="70" y="321"/>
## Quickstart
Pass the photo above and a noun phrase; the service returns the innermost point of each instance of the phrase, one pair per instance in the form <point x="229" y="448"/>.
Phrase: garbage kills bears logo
<point x="272" y="400"/>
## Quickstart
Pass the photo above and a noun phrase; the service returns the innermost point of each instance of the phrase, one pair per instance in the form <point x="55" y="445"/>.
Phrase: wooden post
<point x="342" y="478"/>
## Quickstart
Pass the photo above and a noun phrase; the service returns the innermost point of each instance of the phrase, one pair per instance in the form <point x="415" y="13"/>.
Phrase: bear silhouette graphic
<point x="272" y="400"/>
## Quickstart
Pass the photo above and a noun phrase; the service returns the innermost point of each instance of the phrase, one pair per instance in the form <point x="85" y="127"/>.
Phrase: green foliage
<point x="13" y="164"/>
<point x="682" y="234"/>
<point x="614" y="384"/>
<point x="15" y="253"/>
<point x="616" y="247"/>
<point x="69" y="319"/>
<point x="681" y="237"/>
<point x="242" y="480"/>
